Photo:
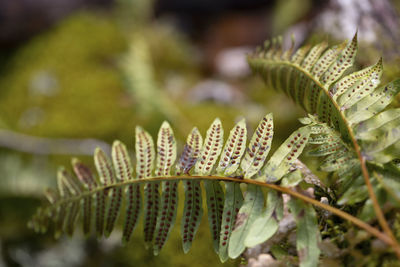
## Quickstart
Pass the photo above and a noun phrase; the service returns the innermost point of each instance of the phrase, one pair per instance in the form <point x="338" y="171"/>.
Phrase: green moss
<point x="66" y="82"/>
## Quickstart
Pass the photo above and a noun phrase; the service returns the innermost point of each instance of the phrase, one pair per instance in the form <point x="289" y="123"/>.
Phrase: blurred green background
<point x="89" y="76"/>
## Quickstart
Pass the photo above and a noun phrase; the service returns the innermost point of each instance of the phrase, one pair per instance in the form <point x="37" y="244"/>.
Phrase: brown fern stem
<point x="378" y="211"/>
<point x="370" y="229"/>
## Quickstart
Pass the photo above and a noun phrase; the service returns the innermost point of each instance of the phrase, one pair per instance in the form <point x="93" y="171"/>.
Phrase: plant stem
<point x="378" y="211"/>
<point x="370" y="229"/>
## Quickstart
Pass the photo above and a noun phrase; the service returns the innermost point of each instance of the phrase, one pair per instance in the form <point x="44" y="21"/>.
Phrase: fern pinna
<point x="356" y="135"/>
<point x="235" y="221"/>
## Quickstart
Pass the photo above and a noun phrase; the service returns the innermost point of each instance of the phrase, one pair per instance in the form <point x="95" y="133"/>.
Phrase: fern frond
<point x="235" y="222"/>
<point x="355" y="128"/>
<point x="315" y="80"/>
<point x="352" y="105"/>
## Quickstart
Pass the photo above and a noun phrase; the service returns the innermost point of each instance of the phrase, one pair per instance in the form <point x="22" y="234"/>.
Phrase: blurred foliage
<point x="20" y="175"/>
<point x="288" y="12"/>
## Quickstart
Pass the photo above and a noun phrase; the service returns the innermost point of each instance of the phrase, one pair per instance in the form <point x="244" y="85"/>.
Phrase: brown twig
<point x="370" y="229"/>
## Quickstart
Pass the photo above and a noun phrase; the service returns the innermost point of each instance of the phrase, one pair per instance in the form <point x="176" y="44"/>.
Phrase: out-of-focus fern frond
<point x="140" y="81"/>
<point x="231" y="216"/>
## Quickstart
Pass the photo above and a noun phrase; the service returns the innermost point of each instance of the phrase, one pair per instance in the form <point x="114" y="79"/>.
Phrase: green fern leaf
<point x="330" y="146"/>
<point x="209" y="153"/>
<point x="124" y="170"/>
<point x="312" y="57"/>
<point x="71" y="217"/>
<point x="258" y="148"/>
<point x="190" y="153"/>
<point x="215" y="207"/>
<point x="106" y="175"/>
<point x="351" y="87"/>
<point x="344" y="61"/>
<point x="233" y="150"/>
<point x="335" y="162"/>
<point x="373" y="103"/>
<point x="59" y="220"/>
<point x="166" y="155"/>
<point x="68" y="187"/>
<point x="302" y="82"/>
<point x="145" y="156"/>
<point x="52" y="196"/>
<point x="233" y="202"/>
<point x="287" y="153"/>
<point x="104" y="167"/>
<point x="307" y="234"/>
<point x="193" y="209"/>
<point x="192" y="213"/>
<point x="167" y="214"/>
<point x="327" y="59"/>
<point x="248" y="213"/>
<point x="265" y="225"/>
<point x="120" y="161"/>
<point x="299" y="55"/>
<point x="211" y="149"/>
<point x="166" y="150"/>
<point x="133" y="209"/>
<point x="337" y="156"/>
<point x="293" y="178"/>
<point x="380" y="136"/>
<point x="113" y="207"/>
<point x="86" y="177"/>
<point x="355" y="193"/>
<point x="287" y="79"/>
